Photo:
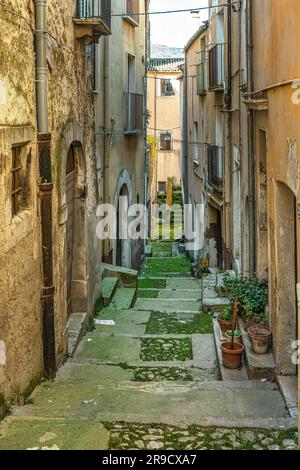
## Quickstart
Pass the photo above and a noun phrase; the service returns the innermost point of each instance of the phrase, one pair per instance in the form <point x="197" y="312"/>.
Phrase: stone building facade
<point x="55" y="172"/>
<point x="164" y="105"/>
<point x="252" y="83"/>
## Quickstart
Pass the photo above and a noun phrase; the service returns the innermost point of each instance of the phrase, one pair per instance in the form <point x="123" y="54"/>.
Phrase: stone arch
<point x="284" y="316"/>
<point x="122" y="248"/>
<point x="72" y="143"/>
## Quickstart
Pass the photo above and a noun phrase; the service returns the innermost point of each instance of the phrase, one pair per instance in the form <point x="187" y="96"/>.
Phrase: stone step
<point x="124" y="298"/>
<point x="127" y="277"/>
<point x="109" y="286"/>
<point x="125" y="321"/>
<point x="170" y="403"/>
<point x="170" y="305"/>
<point x="215" y="305"/>
<point x="259" y="366"/>
<point x="227" y="375"/>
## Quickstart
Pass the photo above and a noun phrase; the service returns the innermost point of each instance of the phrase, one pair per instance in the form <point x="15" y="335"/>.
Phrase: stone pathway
<point x="152" y="380"/>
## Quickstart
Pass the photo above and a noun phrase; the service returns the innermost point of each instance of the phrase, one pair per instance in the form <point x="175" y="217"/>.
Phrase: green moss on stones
<point x="148" y="294"/>
<point x="152" y="283"/>
<point x="171" y="323"/>
<point x="166" y="349"/>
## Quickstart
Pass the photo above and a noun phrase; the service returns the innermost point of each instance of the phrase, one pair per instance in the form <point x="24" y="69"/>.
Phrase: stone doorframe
<point x="284" y="277"/>
<point x="73" y="136"/>
<point x="123" y="180"/>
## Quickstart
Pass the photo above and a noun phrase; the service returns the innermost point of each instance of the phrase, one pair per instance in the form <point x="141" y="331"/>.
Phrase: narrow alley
<point x="149" y="227"/>
<point x="147" y="373"/>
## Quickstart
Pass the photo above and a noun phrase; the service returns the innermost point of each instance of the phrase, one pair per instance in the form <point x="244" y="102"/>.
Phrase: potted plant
<point x="260" y="336"/>
<point x="237" y="336"/>
<point x="225" y="320"/>
<point x="232" y="354"/>
<point x="232" y="351"/>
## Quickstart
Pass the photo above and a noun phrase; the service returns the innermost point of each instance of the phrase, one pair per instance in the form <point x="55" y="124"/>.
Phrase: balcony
<point x="215" y="167"/>
<point x="202" y="78"/>
<point x="134" y="113"/>
<point x="92" y="19"/>
<point x="216" y="68"/>
<point x="132" y="9"/>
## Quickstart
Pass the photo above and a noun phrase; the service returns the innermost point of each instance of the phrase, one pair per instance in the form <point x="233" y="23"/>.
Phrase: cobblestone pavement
<point x="128" y="437"/>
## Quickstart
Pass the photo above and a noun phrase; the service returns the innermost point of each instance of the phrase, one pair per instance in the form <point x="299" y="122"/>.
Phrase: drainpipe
<point x="106" y="138"/>
<point x="227" y="154"/>
<point x="185" y="134"/>
<point x="146" y="163"/>
<point x="45" y="188"/>
<point x="251" y="160"/>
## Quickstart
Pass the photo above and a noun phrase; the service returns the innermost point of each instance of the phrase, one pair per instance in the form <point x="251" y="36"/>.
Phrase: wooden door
<point x="70" y="201"/>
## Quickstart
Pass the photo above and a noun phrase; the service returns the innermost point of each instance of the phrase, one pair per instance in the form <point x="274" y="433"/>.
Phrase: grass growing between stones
<point x="153" y="267"/>
<point x="162" y="323"/>
<point x="168" y="374"/>
<point x="166" y="349"/>
<point x="147" y="294"/>
<point x="124" y="436"/>
<point x="152" y="283"/>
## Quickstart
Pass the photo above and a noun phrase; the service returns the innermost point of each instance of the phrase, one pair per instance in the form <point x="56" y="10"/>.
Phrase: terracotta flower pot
<point x="232" y="358"/>
<point x="225" y="325"/>
<point x="260" y="338"/>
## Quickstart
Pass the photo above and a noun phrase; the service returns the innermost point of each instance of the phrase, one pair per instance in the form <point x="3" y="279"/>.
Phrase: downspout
<point x="227" y="154"/>
<point x="185" y="134"/>
<point x="251" y="162"/>
<point x="106" y="138"/>
<point x="146" y="163"/>
<point x="45" y="187"/>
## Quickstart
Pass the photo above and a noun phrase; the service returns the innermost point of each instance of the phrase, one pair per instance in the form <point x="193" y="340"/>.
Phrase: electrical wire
<point x="186" y="10"/>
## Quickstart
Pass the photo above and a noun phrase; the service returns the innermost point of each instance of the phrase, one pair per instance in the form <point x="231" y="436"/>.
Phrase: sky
<point x="174" y="30"/>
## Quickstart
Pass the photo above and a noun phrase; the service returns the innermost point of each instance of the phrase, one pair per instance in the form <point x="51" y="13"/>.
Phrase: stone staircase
<point x="155" y="361"/>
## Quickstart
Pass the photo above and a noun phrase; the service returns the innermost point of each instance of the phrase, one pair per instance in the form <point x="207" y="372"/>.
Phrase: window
<point x="196" y="143"/>
<point x="162" y="186"/>
<point x="132" y="8"/>
<point x="165" y="141"/>
<point x="166" y="88"/>
<point x="20" y="193"/>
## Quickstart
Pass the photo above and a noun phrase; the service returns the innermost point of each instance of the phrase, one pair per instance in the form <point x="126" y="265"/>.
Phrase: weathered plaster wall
<point x="165" y="115"/>
<point x="124" y="152"/>
<point x="20" y="284"/>
<point x="71" y="119"/>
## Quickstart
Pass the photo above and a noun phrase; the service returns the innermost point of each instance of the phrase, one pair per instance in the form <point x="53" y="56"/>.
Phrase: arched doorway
<point x="70" y="202"/>
<point x="285" y="331"/>
<point x="123" y="243"/>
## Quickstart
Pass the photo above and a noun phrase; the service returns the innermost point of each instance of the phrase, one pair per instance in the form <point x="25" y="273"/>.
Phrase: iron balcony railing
<point x="215" y="166"/>
<point x="94" y="9"/>
<point x="216" y="67"/>
<point x="134" y="112"/>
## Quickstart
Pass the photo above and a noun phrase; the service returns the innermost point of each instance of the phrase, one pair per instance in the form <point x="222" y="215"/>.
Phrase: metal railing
<point x="215" y="166"/>
<point x="94" y="9"/>
<point x="134" y="112"/>
<point x="216" y="67"/>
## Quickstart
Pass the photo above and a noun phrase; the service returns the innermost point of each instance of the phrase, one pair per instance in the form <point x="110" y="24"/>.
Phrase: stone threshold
<point x="76" y="328"/>
<point x="288" y="386"/>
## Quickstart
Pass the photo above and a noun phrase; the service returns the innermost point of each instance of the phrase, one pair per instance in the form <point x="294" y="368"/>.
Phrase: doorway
<point x="286" y="278"/>
<point x="70" y="202"/>
<point x="123" y="250"/>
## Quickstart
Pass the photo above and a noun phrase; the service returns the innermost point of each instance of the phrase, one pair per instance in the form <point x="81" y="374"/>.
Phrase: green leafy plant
<point x="253" y="297"/>
<point x="227" y="314"/>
